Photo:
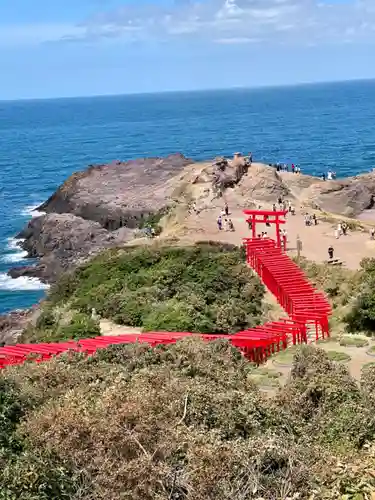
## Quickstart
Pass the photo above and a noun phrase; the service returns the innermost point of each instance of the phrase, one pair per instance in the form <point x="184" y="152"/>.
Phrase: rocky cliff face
<point x="349" y="197"/>
<point x="61" y="241"/>
<point x="119" y="194"/>
<point x="97" y="209"/>
<point x="12" y="324"/>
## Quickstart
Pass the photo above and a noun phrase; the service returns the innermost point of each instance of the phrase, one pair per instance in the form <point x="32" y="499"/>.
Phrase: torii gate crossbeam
<point x="264" y="217"/>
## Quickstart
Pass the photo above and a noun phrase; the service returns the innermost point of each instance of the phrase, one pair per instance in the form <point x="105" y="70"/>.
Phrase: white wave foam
<point x="21" y="283"/>
<point x="14" y="257"/>
<point x="13" y="244"/>
<point x="31" y="211"/>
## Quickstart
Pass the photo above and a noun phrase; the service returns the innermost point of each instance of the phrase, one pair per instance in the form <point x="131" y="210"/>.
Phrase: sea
<point x="319" y="127"/>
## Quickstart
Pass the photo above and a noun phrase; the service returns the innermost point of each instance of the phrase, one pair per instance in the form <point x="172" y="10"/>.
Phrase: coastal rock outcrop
<point x="13" y="323"/>
<point x="61" y="241"/>
<point x="349" y="197"/>
<point x="263" y="184"/>
<point x="103" y="206"/>
<point x="119" y="194"/>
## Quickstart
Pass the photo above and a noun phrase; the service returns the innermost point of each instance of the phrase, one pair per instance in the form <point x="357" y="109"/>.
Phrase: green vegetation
<point x="339" y="357"/>
<point x="204" y="288"/>
<point x="353" y="341"/>
<point x="362" y="315"/>
<point x="352" y="294"/>
<point x="55" y="325"/>
<point x="339" y="283"/>
<point x="184" y="422"/>
<point x="153" y="221"/>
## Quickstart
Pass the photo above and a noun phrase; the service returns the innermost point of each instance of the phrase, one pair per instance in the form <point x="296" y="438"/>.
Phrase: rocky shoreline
<point x="104" y="206"/>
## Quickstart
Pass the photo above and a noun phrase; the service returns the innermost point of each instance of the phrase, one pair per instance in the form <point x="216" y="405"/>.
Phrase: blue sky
<point x="51" y="48"/>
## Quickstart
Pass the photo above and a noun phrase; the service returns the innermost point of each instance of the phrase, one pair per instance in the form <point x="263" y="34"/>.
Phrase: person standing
<point x="220" y="223"/>
<point x="372" y="233"/>
<point x="330" y="252"/>
<point x="226" y="209"/>
<point x="284" y="236"/>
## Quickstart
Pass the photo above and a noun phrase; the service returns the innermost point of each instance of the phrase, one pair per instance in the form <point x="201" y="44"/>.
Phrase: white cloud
<point x="237" y="21"/>
<point x="298" y="22"/>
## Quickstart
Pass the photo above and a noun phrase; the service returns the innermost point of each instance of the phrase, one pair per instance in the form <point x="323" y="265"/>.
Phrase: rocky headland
<point x="105" y="205"/>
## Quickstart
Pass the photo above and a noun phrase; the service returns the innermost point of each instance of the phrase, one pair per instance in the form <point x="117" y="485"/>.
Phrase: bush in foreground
<point x="186" y="422"/>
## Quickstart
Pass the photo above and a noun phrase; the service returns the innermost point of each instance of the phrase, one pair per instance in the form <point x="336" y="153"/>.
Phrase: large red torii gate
<point x="264" y="217"/>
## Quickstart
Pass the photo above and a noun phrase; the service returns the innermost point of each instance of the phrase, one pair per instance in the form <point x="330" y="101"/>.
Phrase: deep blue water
<point x="42" y="142"/>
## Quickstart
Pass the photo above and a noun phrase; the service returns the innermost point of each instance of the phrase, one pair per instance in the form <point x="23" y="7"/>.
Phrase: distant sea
<point x="320" y="127"/>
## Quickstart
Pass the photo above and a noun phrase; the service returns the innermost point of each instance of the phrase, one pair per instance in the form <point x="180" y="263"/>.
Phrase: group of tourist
<point x="284" y="167"/>
<point x="310" y="220"/>
<point x="341" y="230"/>
<point x="329" y="177"/>
<point x="284" y="206"/>
<point x="223" y="220"/>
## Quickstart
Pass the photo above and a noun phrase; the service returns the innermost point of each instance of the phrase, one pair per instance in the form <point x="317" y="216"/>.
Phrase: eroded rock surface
<point x="13" y="323"/>
<point x="120" y="193"/>
<point x="61" y="241"/>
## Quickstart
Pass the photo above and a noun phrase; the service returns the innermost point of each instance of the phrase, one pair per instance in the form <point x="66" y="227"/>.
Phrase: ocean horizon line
<point x="189" y="91"/>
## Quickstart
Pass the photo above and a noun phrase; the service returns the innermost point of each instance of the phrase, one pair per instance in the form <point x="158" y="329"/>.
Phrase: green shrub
<point x="12" y="409"/>
<point x="79" y="326"/>
<point x="204" y="288"/>
<point x="38" y="476"/>
<point x="361" y="317"/>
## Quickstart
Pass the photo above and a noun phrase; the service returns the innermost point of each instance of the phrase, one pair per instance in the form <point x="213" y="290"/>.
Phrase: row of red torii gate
<point x="308" y="309"/>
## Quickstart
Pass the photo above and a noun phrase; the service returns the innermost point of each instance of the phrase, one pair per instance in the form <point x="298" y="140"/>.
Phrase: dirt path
<point x="108" y="328"/>
<point x="350" y="249"/>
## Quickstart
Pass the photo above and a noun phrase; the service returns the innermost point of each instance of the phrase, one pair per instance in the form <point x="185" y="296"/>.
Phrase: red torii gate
<point x="266" y="216"/>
